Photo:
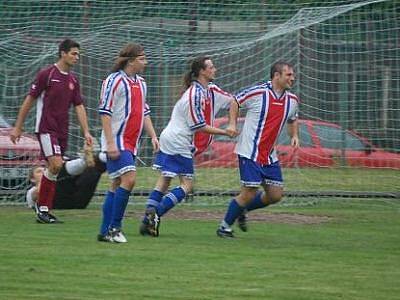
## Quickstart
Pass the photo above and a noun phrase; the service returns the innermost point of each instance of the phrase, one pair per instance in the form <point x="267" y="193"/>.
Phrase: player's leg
<point x="169" y="166"/>
<point x="107" y="209"/>
<point x="273" y="192"/>
<point x="52" y="149"/>
<point x="123" y="168"/>
<point x="251" y="178"/>
<point x="175" y="196"/>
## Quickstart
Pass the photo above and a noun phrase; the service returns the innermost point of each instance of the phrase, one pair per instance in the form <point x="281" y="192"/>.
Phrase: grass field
<point x="353" y="253"/>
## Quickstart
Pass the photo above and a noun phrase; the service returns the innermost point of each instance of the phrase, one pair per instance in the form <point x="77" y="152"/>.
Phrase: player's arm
<point x="112" y="150"/>
<point x="23" y="112"/>
<point x="214" y="130"/>
<point x="149" y="128"/>
<point x="293" y="131"/>
<point x="82" y="119"/>
<point x="233" y="115"/>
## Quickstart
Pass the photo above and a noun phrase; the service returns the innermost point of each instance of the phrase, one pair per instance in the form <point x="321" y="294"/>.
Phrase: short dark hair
<point x="278" y="67"/>
<point x="128" y="52"/>
<point x="66" y="46"/>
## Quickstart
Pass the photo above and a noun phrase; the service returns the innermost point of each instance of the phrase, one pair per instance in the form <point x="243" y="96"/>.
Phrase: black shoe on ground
<point x="150" y="224"/>
<point x="242" y="222"/>
<point x="43" y="216"/>
<point x="225" y="232"/>
<point x="55" y="219"/>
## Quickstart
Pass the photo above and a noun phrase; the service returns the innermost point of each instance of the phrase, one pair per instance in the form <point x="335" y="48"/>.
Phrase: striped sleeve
<point x="196" y="118"/>
<point x="222" y="99"/>
<point x="108" y="91"/>
<point x="248" y="93"/>
<point x="147" y="110"/>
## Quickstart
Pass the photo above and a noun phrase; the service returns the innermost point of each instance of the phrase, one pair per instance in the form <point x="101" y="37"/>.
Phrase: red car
<point x="320" y="146"/>
<point x="16" y="160"/>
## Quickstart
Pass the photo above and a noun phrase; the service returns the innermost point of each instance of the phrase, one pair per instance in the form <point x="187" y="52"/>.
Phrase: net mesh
<point x="346" y="55"/>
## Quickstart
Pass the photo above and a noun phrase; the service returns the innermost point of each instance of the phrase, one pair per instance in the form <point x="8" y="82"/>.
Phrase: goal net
<point x="346" y="56"/>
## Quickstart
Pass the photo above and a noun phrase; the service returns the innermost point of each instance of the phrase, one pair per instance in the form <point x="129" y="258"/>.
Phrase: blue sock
<point x="121" y="198"/>
<point x="155" y="198"/>
<point x="107" y="211"/>
<point x="234" y="210"/>
<point x="170" y="200"/>
<point x="256" y="202"/>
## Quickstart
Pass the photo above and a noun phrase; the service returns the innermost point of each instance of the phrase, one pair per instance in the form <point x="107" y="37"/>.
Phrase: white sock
<point x="75" y="167"/>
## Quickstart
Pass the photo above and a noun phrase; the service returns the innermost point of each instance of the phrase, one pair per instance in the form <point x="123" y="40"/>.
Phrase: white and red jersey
<point x="124" y="99"/>
<point x="215" y="100"/>
<point x="196" y="108"/>
<point x="266" y="116"/>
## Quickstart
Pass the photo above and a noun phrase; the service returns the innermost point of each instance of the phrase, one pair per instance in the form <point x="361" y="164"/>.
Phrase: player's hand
<point x="156" y="144"/>
<point x="112" y="152"/>
<point x="231" y="131"/>
<point x="15" y="135"/>
<point x="295" y="142"/>
<point x="88" y="139"/>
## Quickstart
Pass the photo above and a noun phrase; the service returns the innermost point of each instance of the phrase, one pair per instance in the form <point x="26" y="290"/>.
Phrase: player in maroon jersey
<point x="54" y="90"/>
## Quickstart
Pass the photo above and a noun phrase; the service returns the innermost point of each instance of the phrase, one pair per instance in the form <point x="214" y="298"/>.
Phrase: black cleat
<point x="242" y="222"/>
<point x="150" y="224"/>
<point x="225" y="232"/>
<point x="55" y="219"/>
<point x="43" y="216"/>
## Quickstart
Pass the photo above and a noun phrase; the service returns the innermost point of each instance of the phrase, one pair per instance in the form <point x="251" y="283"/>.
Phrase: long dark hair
<point x="196" y="65"/>
<point x="130" y="51"/>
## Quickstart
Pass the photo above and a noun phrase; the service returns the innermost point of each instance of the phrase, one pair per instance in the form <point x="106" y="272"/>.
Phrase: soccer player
<point x="124" y="113"/>
<point x="189" y="130"/>
<point x="269" y="106"/>
<point x="73" y="191"/>
<point x="54" y="90"/>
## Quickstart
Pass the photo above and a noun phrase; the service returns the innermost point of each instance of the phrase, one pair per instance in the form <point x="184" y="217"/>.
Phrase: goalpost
<point x="346" y="55"/>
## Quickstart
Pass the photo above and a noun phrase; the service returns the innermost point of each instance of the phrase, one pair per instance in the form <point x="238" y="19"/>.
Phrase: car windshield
<point x="335" y="138"/>
<point x="304" y="135"/>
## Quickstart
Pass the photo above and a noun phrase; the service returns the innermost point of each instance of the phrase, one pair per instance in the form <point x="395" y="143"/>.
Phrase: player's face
<point x="286" y="78"/>
<point x="71" y="57"/>
<point x="139" y="63"/>
<point x="209" y="71"/>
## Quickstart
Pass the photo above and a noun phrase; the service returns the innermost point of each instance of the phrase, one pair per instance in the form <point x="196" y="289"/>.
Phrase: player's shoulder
<point x="258" y="87"/>
<point x="140" y="78"/>
<point x="293" y="96"/>
<point x="47" y="70"/>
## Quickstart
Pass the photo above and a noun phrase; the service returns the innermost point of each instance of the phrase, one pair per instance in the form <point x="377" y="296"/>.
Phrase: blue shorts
<point x="124" y="163"/>
<point x="173" y="165"/>
<point x="252" y="174"/>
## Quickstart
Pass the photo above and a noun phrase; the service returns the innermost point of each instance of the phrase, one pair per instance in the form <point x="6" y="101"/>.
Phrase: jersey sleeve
<point x="40" y="83"/>
<point x="147" y="109"/>
<point x="196" y="114"/>
<point x="247" y="95"/>
<point x="221" y="98"/>
<point x="108" y="92"/>
<point x="295" y="115"/>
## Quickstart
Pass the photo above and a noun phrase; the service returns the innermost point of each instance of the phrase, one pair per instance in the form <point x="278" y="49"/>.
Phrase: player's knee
<point x="274" y="197"/>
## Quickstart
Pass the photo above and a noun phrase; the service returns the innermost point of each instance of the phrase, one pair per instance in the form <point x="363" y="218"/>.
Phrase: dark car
<point x="16" y="160"/>
<point x="322" y="144"/>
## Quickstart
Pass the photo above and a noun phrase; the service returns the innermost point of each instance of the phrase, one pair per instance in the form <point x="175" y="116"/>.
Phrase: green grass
<point x="356" y="255"/>
<point x="313" y="179"/>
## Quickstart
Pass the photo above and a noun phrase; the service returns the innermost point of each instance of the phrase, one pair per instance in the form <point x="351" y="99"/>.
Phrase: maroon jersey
<point x="55" y="92"/>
